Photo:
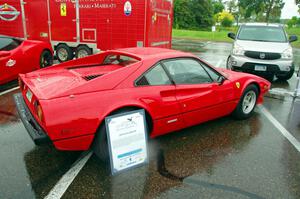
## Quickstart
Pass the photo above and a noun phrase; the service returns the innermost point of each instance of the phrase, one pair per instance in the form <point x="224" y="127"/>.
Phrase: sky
<point x="289" y="10"/>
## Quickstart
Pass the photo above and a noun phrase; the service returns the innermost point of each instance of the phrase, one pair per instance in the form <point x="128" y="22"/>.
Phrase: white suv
<point x="262" y="49"/>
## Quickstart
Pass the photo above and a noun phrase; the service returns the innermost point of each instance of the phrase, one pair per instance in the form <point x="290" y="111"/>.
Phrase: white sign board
<point x="213" y="28"/>
<point x="127" y="140"/>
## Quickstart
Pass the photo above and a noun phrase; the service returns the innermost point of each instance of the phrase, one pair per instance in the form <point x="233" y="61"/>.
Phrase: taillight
<point x="39" y="111"/>
<point x="21" y="84"/>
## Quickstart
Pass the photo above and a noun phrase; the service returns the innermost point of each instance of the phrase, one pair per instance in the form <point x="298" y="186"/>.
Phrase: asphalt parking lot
<point x="224" y="158"/>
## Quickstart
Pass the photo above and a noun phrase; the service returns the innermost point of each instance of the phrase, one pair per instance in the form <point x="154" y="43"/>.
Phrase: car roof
<point x="153" y="52"/>
<point x="262" y="24"/>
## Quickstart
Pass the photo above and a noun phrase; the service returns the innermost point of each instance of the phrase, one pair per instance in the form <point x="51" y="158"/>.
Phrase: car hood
<point x="58" y="81"/>
<point x="275" y="47"/>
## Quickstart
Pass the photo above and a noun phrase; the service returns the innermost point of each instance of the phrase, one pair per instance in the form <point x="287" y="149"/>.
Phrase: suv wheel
<point x="286" y="76"/>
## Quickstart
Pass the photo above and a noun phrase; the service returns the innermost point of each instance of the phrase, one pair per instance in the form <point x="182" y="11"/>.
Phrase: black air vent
<point x="90" y="77"/>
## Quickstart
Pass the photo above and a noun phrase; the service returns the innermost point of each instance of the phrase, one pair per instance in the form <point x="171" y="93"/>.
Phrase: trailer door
<point x="64" y="20"/>
<point x="36" y="15"/>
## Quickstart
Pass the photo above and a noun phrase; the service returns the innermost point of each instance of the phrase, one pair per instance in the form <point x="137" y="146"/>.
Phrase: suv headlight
<point x="287" y="54"/>
<point x="237" y="50"/>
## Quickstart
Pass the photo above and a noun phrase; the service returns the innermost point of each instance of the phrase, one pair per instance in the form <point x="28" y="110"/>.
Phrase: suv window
<point x="156" y="76"/>
<point x="262" y="33"/>
<point x="187" y="71"/>
<point x="8" y="44"/>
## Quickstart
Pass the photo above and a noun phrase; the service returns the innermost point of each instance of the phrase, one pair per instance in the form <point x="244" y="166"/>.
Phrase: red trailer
<point x="81" y="27"/>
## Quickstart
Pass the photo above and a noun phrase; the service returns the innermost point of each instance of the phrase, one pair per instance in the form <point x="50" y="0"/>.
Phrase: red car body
<point x="20" y="56"/>
<point x="69" y="101"/>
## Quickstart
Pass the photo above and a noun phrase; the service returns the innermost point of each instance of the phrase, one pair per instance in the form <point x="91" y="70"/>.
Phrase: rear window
<point x="122" y="60"/>
<point x="262" y="33"/>
<point x="8" y="44"/>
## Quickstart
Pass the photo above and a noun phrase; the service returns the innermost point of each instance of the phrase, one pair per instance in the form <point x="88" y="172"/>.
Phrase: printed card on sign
<point x="127" y="140"/>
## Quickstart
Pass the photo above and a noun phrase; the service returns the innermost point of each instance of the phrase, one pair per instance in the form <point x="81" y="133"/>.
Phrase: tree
<point x="225" y="18"/>
<point x="217" y="6"/>
<point x="273" y="6"/>
<point x="183" y="16"/>
<point x="203" y="11"/>
<point x="298" y="3"/>
<point x="267" y="8"/>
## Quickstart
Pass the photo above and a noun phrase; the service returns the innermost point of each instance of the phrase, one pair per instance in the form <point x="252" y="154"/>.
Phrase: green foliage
<point x="294" y="21"/>
<point x="267" y="10"/>
<point x="225" y="18"/>
<point x="193" y="14"/>
<point x="183" y="16"/>
<point x="217" y="6"/>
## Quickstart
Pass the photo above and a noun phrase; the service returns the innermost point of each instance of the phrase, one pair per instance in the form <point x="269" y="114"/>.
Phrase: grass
<point x="221" y="35"/>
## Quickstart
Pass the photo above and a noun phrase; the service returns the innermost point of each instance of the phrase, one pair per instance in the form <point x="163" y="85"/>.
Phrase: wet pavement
<point x="223" y="158"/>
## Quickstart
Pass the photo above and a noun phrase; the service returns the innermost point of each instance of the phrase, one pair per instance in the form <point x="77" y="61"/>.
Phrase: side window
<point x="156" y="76"/>
<point x="187" y="71"/>
<point x="212" y="73"/>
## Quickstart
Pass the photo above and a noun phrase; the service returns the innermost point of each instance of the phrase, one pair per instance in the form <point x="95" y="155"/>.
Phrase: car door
<point x="157" y="91"/>
<point x="197" y="93"/>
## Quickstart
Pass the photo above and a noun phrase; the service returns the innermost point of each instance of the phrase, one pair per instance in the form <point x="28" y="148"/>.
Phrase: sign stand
<point x="297" y="90"/>
<point x="127" y="140"/>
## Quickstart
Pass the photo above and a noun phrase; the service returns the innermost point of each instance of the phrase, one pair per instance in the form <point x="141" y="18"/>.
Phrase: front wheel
<point x="228" y="63"/>
<point x="64" y="53"/>
<point x="46" y="59"/>
<point x="247" y="103"/>
<point x="286" y="76"/>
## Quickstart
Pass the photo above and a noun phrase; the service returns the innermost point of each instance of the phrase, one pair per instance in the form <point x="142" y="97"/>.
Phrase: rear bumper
<point x="37" y="134"/>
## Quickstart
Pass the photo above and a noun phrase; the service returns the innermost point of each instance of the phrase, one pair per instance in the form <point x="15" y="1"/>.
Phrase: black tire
<point x="83" y="51"/>
<point x="269" y="77"/>
<point x="46" y="59"/>
<point x="227" y="64"/>
<point x="64" y="53"/>
<point x="100" y="145"/>
<point x="286" y="76"/>
<point x="239" y="112"/>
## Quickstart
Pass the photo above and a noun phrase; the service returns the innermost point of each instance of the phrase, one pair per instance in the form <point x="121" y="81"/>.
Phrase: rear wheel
<point x="247" y="103"/>
<point x="64" y="53"/>
<point x="100" y="144"/>
<point x="46" y="59"/>
<point x="286" y="76"/>
<point x="83" y="51"/>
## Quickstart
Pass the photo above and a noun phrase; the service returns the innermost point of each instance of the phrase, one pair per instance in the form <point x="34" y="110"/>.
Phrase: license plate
<point x="260" y="68"/>
<point x="29" y="95"/>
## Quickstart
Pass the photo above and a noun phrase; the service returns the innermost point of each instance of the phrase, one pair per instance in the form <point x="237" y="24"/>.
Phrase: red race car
<point x="22" y="56"/>
<point x="67" y="104"/>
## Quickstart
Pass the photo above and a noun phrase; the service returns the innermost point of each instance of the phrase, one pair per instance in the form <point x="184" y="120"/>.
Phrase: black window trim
<point x="147" y="71"/>
<point x="161" y="62"/>
<point x="199" y="62"/>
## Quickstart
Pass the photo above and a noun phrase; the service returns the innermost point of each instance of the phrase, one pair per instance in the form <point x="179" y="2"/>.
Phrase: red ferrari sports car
<point x="67" y="103"/>
<point x="22" y="56"/>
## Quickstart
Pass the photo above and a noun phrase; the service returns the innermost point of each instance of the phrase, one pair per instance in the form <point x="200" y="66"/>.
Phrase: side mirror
<point x="293" y="38"/>
<point x="231" y="35"/>
<point x="4" y="53"/>
<point x="221" y="80"/>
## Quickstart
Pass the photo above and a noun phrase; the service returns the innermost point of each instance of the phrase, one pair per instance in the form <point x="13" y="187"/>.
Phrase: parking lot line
<point x="65" y="181"/>
<point x="283" y="131"/>
<point x="10" y="90"/>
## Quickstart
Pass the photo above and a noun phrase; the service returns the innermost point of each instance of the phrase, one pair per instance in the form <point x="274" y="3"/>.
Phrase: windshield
<point x="262" y="33"/>
<point x="8" y="44"/>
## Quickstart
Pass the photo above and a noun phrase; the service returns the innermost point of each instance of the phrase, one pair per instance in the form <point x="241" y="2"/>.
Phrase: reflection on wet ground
<point x="223" y="158"/>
